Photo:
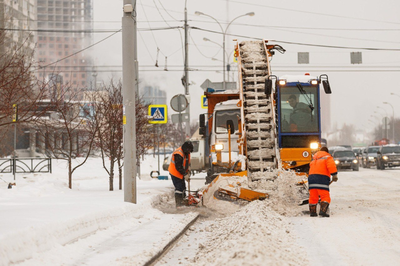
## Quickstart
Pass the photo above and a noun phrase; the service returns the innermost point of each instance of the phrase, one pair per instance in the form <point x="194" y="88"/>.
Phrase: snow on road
<point x="45" y="223"/>
<point x="364" y="229"/>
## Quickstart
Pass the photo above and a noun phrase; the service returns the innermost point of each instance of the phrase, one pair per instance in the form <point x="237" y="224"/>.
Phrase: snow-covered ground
<point x="43" y="222"/>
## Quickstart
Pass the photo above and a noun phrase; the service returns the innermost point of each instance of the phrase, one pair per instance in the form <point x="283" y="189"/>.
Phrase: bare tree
<point x="109" y="116"/>
<point x="69" y="132"/>
<point x="18" y="87"/>
<point x="110" y="134"/>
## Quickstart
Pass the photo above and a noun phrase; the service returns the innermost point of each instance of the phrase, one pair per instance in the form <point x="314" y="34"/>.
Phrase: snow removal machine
<point x="269" y="125"/>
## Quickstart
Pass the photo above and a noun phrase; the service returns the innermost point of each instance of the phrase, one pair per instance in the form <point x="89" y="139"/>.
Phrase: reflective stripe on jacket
<point x="321" y="168"/>
<point x="172" y="167"/>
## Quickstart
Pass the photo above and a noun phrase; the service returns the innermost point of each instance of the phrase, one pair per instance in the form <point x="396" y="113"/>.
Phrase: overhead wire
<point x="68" y="56"/>
<point x="303" y="44"/>
<point x="308" y="12"/>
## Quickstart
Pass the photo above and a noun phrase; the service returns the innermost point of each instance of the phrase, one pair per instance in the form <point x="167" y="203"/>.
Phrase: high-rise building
<point x="153" y="95"/>
<point x="64" y="30"/>
<point x="18" y="18"/>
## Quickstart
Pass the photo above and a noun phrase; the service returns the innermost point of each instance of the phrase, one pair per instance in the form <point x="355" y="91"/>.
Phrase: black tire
<point x="383" y="166"/>
<point x="210" y="178"/>
<point x="357" y="168"/>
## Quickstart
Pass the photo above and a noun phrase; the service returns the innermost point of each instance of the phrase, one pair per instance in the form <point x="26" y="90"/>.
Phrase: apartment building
<point x="64" y="30"/>
<point x="17" y="18"/>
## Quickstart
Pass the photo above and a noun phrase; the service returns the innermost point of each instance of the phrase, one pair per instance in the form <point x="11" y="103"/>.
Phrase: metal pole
<point x="15" y="149"/>
<point x="129" y="87"/>
<point x="394" y="141"/>
<point x="158" y="146"/>
<point x="187" y="72"/>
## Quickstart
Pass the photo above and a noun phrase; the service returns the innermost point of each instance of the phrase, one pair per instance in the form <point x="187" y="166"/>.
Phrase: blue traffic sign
<point x="204" y="102"/>
<point x="158" y="114"/>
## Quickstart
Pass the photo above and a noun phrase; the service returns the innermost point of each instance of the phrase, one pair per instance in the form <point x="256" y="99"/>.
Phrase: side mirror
<point x="268" y="86"/>
<point x="230" y="125"/>
<point x="202" y="125"/>
<point x="325" y="83"/>
<point x="202" y="120"/>
<point x="378" y="152"/>
<point x="327" y="87"/>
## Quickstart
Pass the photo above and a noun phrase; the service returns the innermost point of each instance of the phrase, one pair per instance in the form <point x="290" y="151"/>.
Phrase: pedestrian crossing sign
<point x="158" y="114"/>
<point x="204" y="102"/>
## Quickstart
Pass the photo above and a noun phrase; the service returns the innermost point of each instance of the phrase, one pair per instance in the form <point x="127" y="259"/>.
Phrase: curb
<point x="168" y="246"/>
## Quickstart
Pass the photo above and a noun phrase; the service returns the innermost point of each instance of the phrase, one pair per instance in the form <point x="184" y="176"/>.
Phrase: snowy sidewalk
<point x="41" y="219"/>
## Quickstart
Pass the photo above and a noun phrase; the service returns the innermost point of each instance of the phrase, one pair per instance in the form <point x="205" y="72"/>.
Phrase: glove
<point x="334" y="178"/>
<point x="187" y="177"/>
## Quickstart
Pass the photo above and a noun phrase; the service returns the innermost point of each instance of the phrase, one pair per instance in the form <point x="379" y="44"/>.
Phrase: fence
<point x="25" y="165"/>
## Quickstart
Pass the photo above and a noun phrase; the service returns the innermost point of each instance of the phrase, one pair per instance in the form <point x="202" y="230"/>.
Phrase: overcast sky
<point x="337" y="27"/>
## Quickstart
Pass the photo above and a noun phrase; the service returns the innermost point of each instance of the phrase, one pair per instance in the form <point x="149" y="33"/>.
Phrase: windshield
<point x="339" y="154"/>
<point x="373" y="149"/>
<point x="391" y="149"/>
<point x="299" y="111"/>
<point x="224" y="115"/>
<point x="195" y="145"/>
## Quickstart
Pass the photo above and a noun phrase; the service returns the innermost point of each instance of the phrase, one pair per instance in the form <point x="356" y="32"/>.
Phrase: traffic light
<point x="15" y="113"/>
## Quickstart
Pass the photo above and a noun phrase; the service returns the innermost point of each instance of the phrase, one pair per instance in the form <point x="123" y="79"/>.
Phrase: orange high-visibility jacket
<point x="321" y="168"/>
<point x="172" y="167"/>
<point x="323" y="164"/>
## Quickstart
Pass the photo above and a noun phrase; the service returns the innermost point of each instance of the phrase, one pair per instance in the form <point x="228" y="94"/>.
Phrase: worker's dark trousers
<point x="180" y="187"/>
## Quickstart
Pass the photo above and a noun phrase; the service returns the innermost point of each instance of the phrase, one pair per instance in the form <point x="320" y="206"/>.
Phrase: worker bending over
<point x="180" y="171"/>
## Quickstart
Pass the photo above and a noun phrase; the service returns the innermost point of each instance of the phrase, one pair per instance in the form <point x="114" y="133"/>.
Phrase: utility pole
<point x="186" y="77"/>
<point x="129" y="88"/>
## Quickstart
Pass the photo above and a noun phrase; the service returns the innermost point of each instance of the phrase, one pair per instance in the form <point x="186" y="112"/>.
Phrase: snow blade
<point x="231" y="187"/>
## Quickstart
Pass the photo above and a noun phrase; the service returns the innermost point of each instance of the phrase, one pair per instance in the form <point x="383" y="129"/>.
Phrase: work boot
<point x="324" y="209"/>
<point x="179" y="200"/>
<point x="313" y="210"/>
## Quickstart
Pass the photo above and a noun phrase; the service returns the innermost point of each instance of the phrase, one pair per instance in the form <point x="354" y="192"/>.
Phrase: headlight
<point x="370" y="158"/>
<point x="355" y="161"/>
<point x="314" y="82"/>
<point x="282" y="82"/>
<point x="314" y="145"/>
<point x="219" y="147"/>
<point x="336" y="162"/>
<point x="385" y="157"/>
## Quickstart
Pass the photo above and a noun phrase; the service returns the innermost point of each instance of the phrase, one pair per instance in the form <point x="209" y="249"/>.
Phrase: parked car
<point x="369" y="156"/>
<point x="359" y="151"/>
<point x="345" y="159"/>
<point x="388" y="156"/>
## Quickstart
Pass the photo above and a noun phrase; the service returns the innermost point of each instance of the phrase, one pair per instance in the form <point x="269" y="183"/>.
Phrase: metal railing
<point x="25" y="165"/>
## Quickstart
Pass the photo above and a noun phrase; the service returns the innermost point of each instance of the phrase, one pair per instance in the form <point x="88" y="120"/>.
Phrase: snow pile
<point x="254" y="235"/>
<point x="226" y="182"/>
<point x="284" y="193"/>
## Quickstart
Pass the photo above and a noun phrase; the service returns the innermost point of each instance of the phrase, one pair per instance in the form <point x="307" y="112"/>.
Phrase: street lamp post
<point x="392" y="119"/>
<point x="223" y="36"/>
<point x="386" y="128"/>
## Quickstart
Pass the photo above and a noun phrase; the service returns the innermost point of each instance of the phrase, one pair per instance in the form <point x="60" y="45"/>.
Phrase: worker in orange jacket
<point x="179" y="169"/>
<point x="322" y="167"/>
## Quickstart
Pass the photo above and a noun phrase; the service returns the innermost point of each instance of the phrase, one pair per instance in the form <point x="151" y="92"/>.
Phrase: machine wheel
<point x="210" y="178"/>
<point x="357" y="168"/>
<point x="210" y="175"/>
<point x="383" y="166"/>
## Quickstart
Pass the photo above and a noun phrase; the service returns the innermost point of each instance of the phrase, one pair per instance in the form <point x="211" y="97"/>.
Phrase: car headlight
<point x="370" y="158"/>
<point x="355" y="161"/>
<point x="336" y="161"/>
<point x="385" y="157"/>
<point x="219" y="147"/>
<point x="314" y="145"/>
